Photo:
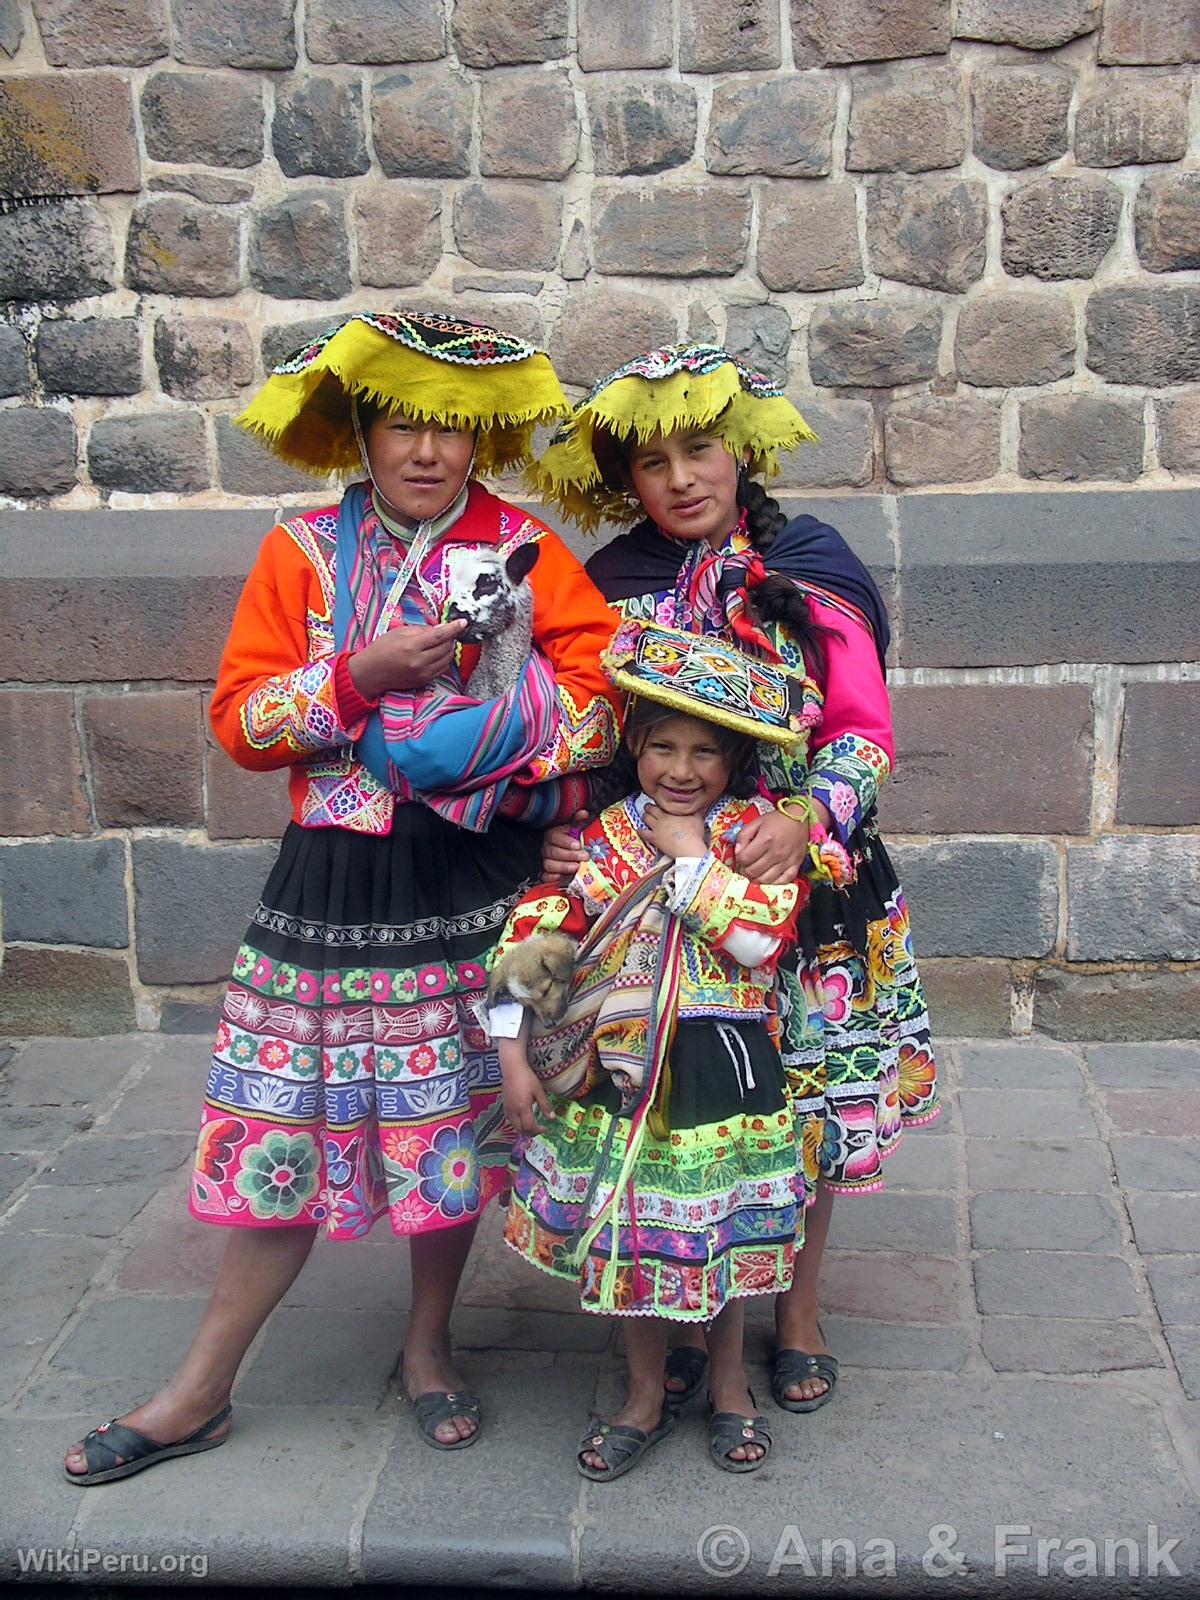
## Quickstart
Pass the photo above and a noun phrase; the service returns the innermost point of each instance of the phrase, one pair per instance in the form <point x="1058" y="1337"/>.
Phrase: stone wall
<point x="968" y="236"/>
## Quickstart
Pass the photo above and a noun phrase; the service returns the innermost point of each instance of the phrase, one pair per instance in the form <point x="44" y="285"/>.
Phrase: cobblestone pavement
<point x="1018" y="1319"/>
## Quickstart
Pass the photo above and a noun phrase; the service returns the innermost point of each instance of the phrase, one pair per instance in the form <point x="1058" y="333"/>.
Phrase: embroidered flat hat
<point x="436" y="368"/>
<point x="681" y="385"/>
<point x="701" y="676"/>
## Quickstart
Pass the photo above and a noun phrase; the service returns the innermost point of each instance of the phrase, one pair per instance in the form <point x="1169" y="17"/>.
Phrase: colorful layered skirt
<point x="856" y="1040"/>
<point x="353" y="1076"/>
<point x="710" y="1213"/>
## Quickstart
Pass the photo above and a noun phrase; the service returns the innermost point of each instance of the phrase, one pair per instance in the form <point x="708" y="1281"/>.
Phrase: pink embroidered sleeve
<point x="855" y="747"/>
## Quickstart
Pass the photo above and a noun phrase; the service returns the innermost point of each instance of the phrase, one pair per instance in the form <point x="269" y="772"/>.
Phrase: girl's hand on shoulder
<point x="673" y="836"/>
<point x="562" y="853"/>
<point x="407" y="657"/>
<point x="771" y="848"/>
<point x="524" y="1096"/>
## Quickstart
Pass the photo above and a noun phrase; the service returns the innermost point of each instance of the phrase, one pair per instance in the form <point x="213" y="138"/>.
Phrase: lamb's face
<point x="482" y="589"/>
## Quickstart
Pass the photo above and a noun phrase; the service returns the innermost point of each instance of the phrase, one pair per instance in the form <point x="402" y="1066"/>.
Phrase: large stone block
<point x="598" y="329"/>
<point x="318" y="127"/>
<point x="299" y="249"/>
<point x="1117" y="1006"/>
<point x="95" y="355"/>
<point x="954" y="770"/>
<point x="620" y="34"/>
<point x="1149" y="32"/>
<point x="502" y="33"/>
<point x="1130" y="118"/>
<point x="38" y="736"/>
<point x="1010" y="340"/>
<point x="194" y="904"/>
<point x="1136" y="897"/>
<point x="528" y="125"/>
<point x="1149" y="336"/>
<point x="375" y="32"/>
<point x="931" y="232"/>
<point x="972" y="998"/>
<point x="1032" y="24"/>
<point x="906" y="119"/>
<point x="762" y="336"/>
<point x="64" y="992"/>
<point x="37" y="452"/>
<point x="1020" y="115"/>
<point x="282" y="340"/>
<point x="831" y="32"/>
<point x="202" y="358"/>
<point x="783" y="127"/>
<point x="509" y="225"/>
<point x="225" y="33"/>
<point x="12" y="27"/>
<point x="65" y="891"/>
<point x="149" y="454"/>
<point x="874" y="345"/>
<point x="728" y="35"/>
<point x="845" y="452"/>
<point x="146" y="755"/>
<point x="1160" y="755"/>
<point x="422" y="123"/>
<point x="245" y="466"/>
<point x="1167" y="223"/>
<point x="640" y="127"/>
<point x="67" y="133"/>
<point x="941" y="439"/>
<point x="1179" y="433"/>
<point x="971" y="562"/>
<point x="982" y="898"/>
<point x="670" y="230"/>
<point x="1068" y="438"/>
<point x="214" y="117"/>
<point x="242" y="804"/>
<point x="213" y="188"/>
<point x="808" y="237"/>
<point x="55" y="252"/>
<point x="1060" y="227"/>
<point x="14" y="362"/>
<point x="182" y="247"/>
<point x="118" y="33"/>
<point x="399" y="234"/>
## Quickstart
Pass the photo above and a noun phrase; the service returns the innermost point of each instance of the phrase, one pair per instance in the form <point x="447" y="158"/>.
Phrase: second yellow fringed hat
<point x="682" y="385"/>
<point x="436" y="368"/>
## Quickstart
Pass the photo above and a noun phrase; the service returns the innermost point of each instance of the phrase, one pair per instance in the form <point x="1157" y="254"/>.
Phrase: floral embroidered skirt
<point x="856" y="1040"/>
<point x="353" y="1076"/>
<point x="711" y="1211"/>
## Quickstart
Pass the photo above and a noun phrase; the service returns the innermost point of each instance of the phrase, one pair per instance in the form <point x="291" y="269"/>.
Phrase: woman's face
<point x="681" y="766"/>
<point x="418" y="467"/>
<point x="687" y="483"/>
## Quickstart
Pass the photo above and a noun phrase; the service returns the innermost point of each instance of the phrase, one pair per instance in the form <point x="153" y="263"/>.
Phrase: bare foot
<point x="431" y="1371"/>
<point x="803" y="1332"/>
<point x="689" y="1340"/>
<point x="167" y="1418"/>
<point x="733" y="1394"/>
<point x="642" y="1411"/>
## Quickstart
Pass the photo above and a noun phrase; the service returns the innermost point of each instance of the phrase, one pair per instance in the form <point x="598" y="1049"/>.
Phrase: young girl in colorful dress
<point x="353" y="1078"/>
<point x="673" y="442"/>
<point x="662" y="1176"/>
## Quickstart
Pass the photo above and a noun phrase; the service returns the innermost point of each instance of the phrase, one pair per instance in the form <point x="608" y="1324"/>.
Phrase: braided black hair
<point x="778" y="600"/>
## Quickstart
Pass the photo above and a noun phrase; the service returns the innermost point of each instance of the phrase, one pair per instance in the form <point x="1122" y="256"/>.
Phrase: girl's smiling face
<point x="681" y="766"/>
<point x="687" y="483"/>
<point x="418" y="467"/>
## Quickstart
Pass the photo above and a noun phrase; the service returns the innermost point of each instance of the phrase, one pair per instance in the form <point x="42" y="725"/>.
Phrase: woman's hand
<point x="407" y="657"/>
<point x="772" y="848"/>
<point x="562" y="853"/>
<point x="673" y="836"/>
<point x="524" y="1095"/>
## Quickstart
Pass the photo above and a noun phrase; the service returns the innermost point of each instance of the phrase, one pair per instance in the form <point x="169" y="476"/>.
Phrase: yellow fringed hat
<point x="436" y="368"/>
<point x="681" y="385"/>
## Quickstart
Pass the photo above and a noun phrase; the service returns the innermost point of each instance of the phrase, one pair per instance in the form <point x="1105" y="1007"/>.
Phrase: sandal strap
<point x="122" y="1444"/>
<point x="440" y="1406"/>
<point x="613" y="1443"/>
<point x="789" y="1367"/>
<point x="729" y="1430"/>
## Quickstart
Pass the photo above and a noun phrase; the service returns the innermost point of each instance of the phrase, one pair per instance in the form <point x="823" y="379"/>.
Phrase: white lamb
<point x="496" y="599"/>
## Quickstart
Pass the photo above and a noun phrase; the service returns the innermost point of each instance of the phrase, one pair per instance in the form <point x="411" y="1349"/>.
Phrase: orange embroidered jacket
<point x="281" y="700"/>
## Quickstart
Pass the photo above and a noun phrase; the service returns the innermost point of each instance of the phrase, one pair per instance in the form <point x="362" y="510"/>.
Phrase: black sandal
<point x="728" y="1430"/>
<point x="790" y="1367"/>
<point x="114" y="1439"/>
<point x="619" y="1446"/>
<point x="440" y="1405"/>
<point x="687" y="1364"/>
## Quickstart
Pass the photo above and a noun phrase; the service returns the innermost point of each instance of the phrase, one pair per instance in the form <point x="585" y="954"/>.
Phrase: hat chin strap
<point x="393" y="519"/>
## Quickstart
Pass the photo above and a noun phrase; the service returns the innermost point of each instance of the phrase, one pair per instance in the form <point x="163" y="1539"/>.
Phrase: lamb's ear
<point x="521" y="563"/>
